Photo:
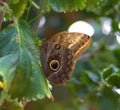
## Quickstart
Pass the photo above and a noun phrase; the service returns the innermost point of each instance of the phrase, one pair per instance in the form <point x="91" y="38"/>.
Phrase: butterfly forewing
<point x="63" y="50"/>
<point x="76" y="42"/>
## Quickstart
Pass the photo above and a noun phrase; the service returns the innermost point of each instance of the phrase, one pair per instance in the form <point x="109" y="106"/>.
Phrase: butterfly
<point x="60" y="53"/>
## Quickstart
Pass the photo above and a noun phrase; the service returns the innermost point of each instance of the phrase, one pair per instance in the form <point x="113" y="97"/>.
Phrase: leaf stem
<point x="42" y="4"/>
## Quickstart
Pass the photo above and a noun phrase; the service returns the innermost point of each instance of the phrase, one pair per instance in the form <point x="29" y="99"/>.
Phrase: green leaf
<point x="116" y="53"/>
<point x="111" y="76"/>
<point x="93" y="5"/>
<point x="67" y="5"/>
<point x="8" y="42"/>
<point x="89" y="77"/>
<point x="108" y="97"/>
<point x="20" y="66"/>
<point x="18" y="7"/>
<point x="114" y="80"/>
<point x="100" y="7"/>
<point x="7" y="69"/>
<point x="14" y="1"/>
<point x="107" y="72"/>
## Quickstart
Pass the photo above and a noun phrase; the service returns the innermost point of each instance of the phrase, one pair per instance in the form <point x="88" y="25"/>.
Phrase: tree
<point x="96" y="79"/>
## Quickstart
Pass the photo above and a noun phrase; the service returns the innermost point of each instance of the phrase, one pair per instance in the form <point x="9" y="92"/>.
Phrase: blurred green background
<point x="87" y="89"/>
<point x="95" y="83"/>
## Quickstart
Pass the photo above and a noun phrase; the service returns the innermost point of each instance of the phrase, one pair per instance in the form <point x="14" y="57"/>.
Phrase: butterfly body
<point x="60" y="53"/>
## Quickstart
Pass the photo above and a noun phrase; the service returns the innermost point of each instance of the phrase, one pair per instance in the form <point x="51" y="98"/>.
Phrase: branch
<point x="39" y="15"/>
<point x="1" y="12"/>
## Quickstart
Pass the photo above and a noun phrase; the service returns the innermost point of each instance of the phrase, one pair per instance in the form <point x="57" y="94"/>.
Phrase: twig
<point x="1" y="12"/>
<point x="39" y="16"/>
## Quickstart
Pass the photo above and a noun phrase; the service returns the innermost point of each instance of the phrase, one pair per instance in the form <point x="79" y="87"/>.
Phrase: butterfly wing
<point x="76" y="42"/>
<point x="64" y="56"/>
<point x="60" y="53"/>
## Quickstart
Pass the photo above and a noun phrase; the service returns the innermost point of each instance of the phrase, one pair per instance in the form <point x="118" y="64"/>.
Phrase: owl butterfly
<point x="59" y="54"/>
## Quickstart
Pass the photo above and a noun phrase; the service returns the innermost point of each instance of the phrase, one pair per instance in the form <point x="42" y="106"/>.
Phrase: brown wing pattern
<point x="65" y="48"/>
<point x="77" y="42"/>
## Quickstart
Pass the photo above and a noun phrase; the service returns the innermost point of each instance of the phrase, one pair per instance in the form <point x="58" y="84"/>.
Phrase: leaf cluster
<point x="96" y="79"/>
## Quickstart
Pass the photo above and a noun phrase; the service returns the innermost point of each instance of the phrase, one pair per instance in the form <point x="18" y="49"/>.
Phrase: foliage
<point x="96" y="79"/>
<point x="20" y="66"/>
